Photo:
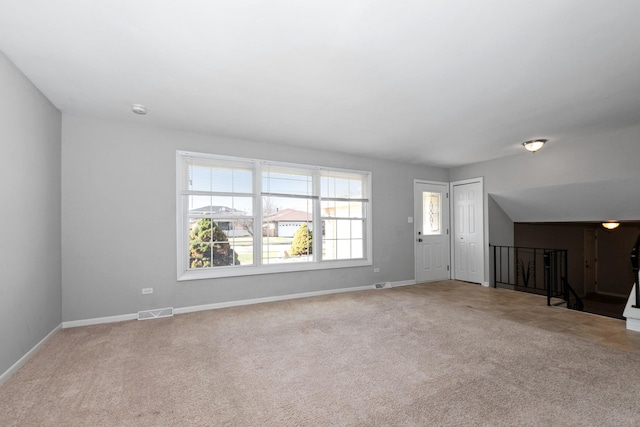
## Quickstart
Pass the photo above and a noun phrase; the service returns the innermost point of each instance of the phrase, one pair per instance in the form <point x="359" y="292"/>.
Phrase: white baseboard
<point x="214" y="306"/>
<point x="403" y="283"/>
<point x="99" y="320"/>
<point x="14" y="368"/>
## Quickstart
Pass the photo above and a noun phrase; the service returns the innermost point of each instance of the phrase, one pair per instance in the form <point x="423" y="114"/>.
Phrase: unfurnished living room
<point x="305" y="213"/>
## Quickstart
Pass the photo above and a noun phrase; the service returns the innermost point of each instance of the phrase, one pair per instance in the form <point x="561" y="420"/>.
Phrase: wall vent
<point x="155" y="314"/>
<point x="382" y="285"/>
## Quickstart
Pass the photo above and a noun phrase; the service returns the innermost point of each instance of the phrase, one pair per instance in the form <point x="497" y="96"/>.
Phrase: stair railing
<point x="540" y="271"/>
<point x="575" y="303"/>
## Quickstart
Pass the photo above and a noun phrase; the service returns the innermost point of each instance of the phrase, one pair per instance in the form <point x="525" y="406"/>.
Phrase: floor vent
<point x="382" y="285"/>
<point x="155" y="314"/>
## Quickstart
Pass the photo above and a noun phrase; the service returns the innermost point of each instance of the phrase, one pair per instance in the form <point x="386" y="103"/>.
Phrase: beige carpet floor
<point x="393" y="357"/>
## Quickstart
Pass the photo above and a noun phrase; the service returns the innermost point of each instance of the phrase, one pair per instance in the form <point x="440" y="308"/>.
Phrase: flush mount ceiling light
<point x="534" y="145"/>
<point x="610" y="225"/>
<point x="139" y="109"/>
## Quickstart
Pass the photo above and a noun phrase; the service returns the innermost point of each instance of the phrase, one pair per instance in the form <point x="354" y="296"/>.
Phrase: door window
<point x="431" y="213"/>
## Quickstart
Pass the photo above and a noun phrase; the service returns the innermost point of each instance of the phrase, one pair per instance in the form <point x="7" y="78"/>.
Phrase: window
<point x="240" y="216"/>
<point x="343" y="215"/>
<point x="431" y="208"/>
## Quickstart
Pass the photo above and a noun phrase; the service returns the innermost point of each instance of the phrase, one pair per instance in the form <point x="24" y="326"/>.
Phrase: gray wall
<point x="30" y="278"/>
<point x="572" y="169"/>
<point x="500" y="225"/>
<point x="119" y="224"/>
<point x="500" y="229"/>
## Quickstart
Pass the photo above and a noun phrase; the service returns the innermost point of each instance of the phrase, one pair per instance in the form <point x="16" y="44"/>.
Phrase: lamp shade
<point x="534" y="145"/>
<point x="610" y="225"/>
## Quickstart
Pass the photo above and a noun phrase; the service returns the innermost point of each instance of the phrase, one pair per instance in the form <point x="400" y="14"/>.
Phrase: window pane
<point x="431" y="208"/>
<point x="342" y="209"/>
<point x="343" y="229"/>
<point x="242" y="181"/>
<point x="357" y="248"/>
<point x="341" y="185"/>
<point x="329" y="251"/>
<point x="329" y="208"/>
<point x="287" y="181"/>
<point x="232" y="180"/>
<point x="220" y="243"/>
<point x="220" y="179"/>
<point x="342" y="239"/>
<point x="220" y="206"/>
<point x="242" y="240"/>
<point x="199" y="205"/>
<point x="287" y="230"/>
<point x="336" y="235"/>
<point x="357" y="228"/>
<point x="343" y="249"/>
<point x="199" y="178"/>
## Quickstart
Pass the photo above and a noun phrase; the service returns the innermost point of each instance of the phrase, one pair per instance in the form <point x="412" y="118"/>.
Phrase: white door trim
<point x="415" y="254"/>
<point x="452" y="225"/>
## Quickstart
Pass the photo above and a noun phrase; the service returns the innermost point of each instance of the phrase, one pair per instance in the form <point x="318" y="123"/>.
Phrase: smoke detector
<point x="139" y="109"/>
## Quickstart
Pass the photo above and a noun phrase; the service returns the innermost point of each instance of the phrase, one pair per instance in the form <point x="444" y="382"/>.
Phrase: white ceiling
<point x="436" y="82"/>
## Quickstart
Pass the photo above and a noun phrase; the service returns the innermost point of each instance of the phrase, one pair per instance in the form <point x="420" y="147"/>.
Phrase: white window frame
<point x="182" y="218"/>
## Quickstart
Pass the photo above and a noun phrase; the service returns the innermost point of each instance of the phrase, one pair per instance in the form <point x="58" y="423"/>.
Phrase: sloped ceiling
<point x="438" y="82"/>
<point x="582" y="202"/>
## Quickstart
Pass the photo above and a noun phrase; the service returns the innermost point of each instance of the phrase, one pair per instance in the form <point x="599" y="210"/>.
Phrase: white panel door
<point x="431" y="226"/>
<point x="468" y="233"/>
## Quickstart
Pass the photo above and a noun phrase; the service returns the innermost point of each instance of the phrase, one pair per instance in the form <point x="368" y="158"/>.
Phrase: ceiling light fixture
<point x="139" y="109"/>
<point x="611" y="225"/>
<point x="534" y="145"/>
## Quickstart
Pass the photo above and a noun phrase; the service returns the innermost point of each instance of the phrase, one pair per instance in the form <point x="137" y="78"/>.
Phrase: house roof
<point x="217" y="210"/>
<point x="429" y="82"/>
<point x="288" y="215"/>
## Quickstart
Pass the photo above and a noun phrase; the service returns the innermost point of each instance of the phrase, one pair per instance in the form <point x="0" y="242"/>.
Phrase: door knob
<point x="419" y="240"/>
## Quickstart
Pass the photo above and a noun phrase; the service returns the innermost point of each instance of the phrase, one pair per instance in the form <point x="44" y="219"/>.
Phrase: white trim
<point x="99" y="320"/>
<point x="16" y="366"/>
<point x="467" y="181"/>
<point x="403" y="283"/>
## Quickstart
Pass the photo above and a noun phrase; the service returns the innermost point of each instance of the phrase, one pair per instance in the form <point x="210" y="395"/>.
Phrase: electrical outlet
<point x="376" y="270"/>
<point x="146" y="291"/>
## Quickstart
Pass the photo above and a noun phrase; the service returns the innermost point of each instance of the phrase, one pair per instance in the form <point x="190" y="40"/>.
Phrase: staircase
<point x="540" y="271"/>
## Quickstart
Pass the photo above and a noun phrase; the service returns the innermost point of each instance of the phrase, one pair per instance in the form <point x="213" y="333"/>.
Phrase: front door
<point x="431" y="226"/>
<point x="468" y="236"/>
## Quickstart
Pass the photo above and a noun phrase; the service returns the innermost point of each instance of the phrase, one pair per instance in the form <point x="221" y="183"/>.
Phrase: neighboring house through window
<point x="239" y="216"/>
